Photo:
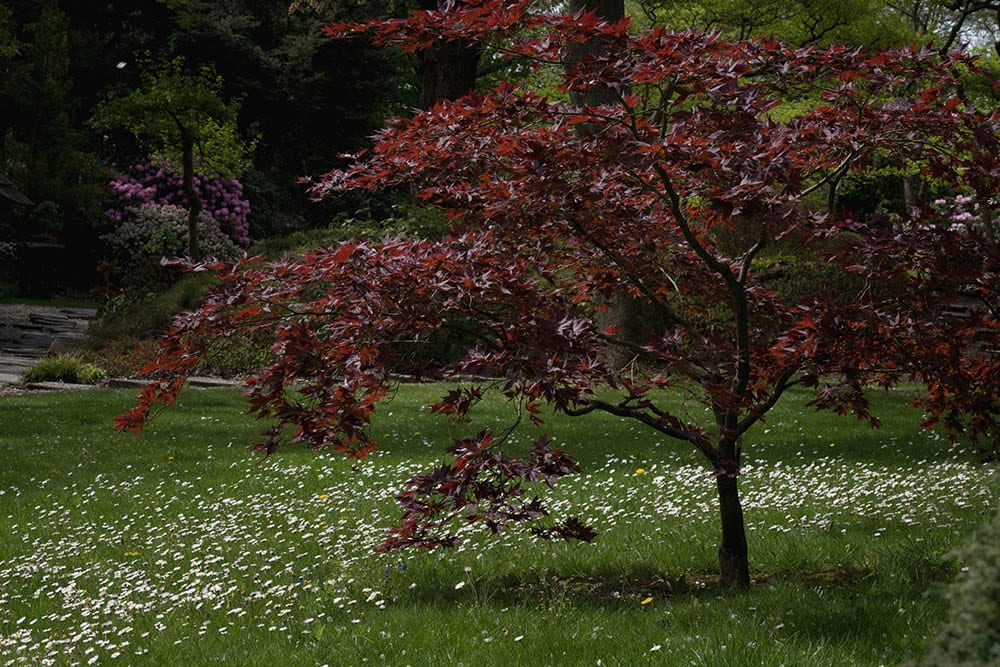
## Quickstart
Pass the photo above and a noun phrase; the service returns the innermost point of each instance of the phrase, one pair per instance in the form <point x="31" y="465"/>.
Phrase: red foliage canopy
<point x="712" y="155"/>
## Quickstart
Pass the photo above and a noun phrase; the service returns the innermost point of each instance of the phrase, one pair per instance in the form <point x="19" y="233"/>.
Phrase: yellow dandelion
<point x="640" y="471"/>
<point x="131" y="553"/>
<point x="324" y="496"/>
<point x="647" y="600"/>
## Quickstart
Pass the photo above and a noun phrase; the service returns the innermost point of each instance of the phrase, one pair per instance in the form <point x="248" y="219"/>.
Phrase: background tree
<point x="292" y="80"/>
<point x="43" y="149"/>
<point x="182" y="115"/>
<point x="951" y="23"/>
<point x="947" y="23"/>
<point x="448" y="67"/>
<point x="699" y="142"/>
<point x="800" y="22"/>
<point x="621" y="312"/>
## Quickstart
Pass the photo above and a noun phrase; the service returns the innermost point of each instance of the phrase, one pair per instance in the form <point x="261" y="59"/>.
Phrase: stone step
<point x="57" y="386"/>
<point x="53" y="325"/>
<point x="16" y="361"/>
<point x="80" y="313"/>
<point x="44" y="318"/>
<point x="193" y="381"/>
<point x="60" y="325"/>
<point x="28" y="341"/>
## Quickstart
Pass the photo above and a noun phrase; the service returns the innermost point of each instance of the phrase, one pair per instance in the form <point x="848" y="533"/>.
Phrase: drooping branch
<point x="659" y="421"/>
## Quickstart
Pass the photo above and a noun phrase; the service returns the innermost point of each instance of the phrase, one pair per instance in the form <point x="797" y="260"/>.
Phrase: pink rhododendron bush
<point x="160" y="182"/>
<point x="149" y="214"/>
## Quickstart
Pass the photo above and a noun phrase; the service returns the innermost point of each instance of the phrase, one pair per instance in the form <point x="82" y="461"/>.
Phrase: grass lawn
<point x="173" y="548"/>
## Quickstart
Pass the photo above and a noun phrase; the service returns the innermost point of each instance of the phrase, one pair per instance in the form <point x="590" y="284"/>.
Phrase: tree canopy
<point x="710" y="158"/>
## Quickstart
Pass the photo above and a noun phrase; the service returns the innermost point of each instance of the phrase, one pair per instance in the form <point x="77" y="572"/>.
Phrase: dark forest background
<point x="299" y="99"/>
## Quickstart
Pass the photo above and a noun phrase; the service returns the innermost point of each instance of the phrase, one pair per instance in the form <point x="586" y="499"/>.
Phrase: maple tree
<point x="712" y="158"/>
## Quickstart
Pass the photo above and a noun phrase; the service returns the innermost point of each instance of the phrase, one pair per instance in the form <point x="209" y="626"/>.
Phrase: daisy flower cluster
<point x="100" y="567"/>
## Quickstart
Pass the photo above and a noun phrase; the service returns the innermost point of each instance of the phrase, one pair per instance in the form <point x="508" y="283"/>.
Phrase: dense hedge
<point x="970" y="636"/>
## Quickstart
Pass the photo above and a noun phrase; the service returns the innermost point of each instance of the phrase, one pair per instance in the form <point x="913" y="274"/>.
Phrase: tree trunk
<point x="194" y="201"/>
<point x="623" y="313"/>
<point x="734" y="564"/>
<point x="909" y="195"/>
<point x="609" y="10"/>
<point x="447" y="69"/>
<point x="632" y="322"/>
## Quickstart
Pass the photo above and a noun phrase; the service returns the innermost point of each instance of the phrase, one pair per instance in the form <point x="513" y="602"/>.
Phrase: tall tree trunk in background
<point x="909" y="195"/>
<point x="609" y="10"/>
<point x="448" y="68"/>
<point x="996" y="44"/>
<point x="623" y="313"/>
<point x="194" y="201"/>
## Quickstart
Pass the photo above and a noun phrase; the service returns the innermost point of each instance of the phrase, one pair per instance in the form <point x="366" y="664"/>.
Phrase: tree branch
<point x="655" y="421"/>
<point x="755" y="415"/>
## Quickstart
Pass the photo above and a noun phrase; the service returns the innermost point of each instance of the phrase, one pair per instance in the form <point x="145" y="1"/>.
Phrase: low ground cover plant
<point x="174" y="548"/>
<point x="72" y="368"/>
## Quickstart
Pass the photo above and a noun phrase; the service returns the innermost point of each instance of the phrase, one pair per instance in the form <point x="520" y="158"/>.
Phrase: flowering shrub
<point x="151" y="232"/>
<point x="971" y="635"/>
<point x="965" y="211"/>
<point x="161" y="230"/>
<point x="8" y="251"/>
<point x="8" y="261"/>
<point x="159" y="183"/>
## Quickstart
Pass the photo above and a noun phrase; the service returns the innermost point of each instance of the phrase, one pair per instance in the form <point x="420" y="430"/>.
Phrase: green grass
<point x="174" y="548"/>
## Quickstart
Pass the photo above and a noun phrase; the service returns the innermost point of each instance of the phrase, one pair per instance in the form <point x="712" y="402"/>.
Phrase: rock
<point x="65" y="344"/>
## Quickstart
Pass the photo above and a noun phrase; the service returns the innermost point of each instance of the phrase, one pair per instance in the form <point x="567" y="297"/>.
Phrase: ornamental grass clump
<point x="68" y="368"/>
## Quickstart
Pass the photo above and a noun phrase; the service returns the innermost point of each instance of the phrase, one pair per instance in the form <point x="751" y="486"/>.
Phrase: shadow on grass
<point x="610" y="590"/>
